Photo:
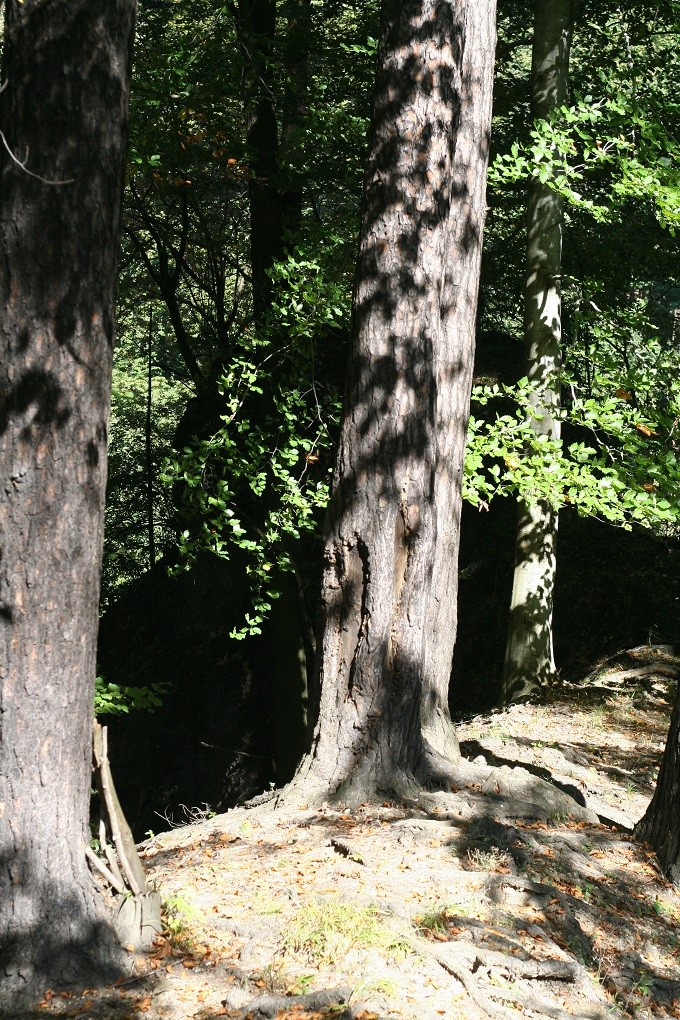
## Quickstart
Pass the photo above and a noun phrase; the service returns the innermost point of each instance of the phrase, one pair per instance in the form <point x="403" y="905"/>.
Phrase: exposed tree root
<point x="269" y="1006"/>
<point x="468" y="963"/>
<point x="574" y="932"/>
<point x="452" y="789"/>
<point x="461" y="969"/>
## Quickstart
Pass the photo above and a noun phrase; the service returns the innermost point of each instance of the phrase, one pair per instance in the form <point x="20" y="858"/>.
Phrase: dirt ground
<point x="470" y="904"/>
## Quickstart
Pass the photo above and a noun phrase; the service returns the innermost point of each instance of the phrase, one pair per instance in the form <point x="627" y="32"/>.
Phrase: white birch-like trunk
<point x="529" y="659"/>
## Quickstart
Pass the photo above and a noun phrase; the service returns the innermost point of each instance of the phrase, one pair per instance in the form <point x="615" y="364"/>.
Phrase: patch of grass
<point x="274" y="978"/>
<point x="375" y="986"/>
<point x="325" y="930"/>
<point x="434" y="921"/>
<point x="262" y="901"/>
<point x="480" y="859"/>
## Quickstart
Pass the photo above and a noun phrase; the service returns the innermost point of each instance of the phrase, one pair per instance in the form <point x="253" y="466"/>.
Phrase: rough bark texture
<point x="389" y="585"/>
<point x="529" y="659"/>
<point x="64" y="114"/>
<point x="660" y="826"/>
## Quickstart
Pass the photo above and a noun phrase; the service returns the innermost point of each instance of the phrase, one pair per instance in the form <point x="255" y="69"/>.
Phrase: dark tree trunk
<point x="390" y="570"/>
<point x="151" y="531"/>
<point x="63" y="114"/>
<point x="294" y="109"/>
<point x="257" y="26"/>
<point x="660" y="826"/>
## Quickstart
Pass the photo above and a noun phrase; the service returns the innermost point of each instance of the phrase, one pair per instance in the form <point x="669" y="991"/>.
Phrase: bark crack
<point x="364" y="611"/>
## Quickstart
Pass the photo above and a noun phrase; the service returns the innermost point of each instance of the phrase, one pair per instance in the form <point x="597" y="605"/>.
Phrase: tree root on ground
<point x="449" y="789"/>
<point x="475" y="966"/>
<point x="269" y="1006"/>
<point x="468" y="962"/>
<point x="573" y="930"/>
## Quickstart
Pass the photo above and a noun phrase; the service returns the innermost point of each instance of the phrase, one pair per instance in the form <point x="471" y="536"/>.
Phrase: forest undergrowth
<point x="469" y="904"/>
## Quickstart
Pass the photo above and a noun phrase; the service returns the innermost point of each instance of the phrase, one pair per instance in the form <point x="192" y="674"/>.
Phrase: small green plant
<point x="664" y="909"/>
<point x="587" y="891"/>
<point x="177" y="915"/>
<point x="300" y="984"/>
<point x="326" y="930"/>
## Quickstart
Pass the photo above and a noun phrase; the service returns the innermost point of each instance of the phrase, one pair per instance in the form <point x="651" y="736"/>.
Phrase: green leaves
<point x="626" y="467"/>
<point x="262" y="479"/>
<point x="113" y="699"/>
<point x="599" y="154"/>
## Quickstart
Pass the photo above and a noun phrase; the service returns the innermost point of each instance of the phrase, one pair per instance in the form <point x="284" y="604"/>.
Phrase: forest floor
<point x="468" y="905"/>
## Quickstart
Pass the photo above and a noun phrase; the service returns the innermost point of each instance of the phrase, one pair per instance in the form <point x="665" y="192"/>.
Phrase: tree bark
<point x="529" y="658"/>
<point x="64" y="115"/>
<point x="660" y="826"/>
<point x="390" y="567"/>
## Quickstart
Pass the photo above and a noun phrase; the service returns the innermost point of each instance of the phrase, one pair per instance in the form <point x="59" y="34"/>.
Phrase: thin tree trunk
<point x="149" y="456"/>
<point x="275" y="208"/>
<point x="660" y="826"/>
<point x="294" y="108"/>
<point x="64" y="114"/>
<point x="529" y="659"/>
<point x="389" y="584"/>
<point x="256" y="28"/>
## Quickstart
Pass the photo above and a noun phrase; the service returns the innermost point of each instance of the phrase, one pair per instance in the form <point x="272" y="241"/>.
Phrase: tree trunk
<point x="294" y="110"/>
<point x="151" y="529"/>
<point x="660" y="826"/>
<point x="63" y="115"/>
<point x="529" y="659"/>
<point x="256" y="28"/>
<point x="389" y="584"/>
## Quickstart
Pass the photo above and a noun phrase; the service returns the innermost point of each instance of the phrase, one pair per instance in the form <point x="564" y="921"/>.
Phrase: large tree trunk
<point x="64" y="115"/>
<point x="529" y="659"/>
<point x="660" y="826"/>
<point x="389" y="585"/>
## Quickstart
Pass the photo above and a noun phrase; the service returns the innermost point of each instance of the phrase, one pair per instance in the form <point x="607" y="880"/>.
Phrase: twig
<point x="131" y="865"/>
<point x="97" y="863"/>
<point x="23" y="166"/>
